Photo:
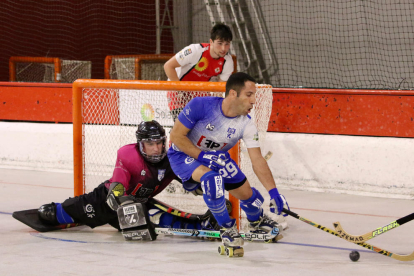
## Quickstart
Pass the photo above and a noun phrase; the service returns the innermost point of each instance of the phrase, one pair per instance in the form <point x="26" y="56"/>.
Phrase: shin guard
<point x="213" y="194"/>
<point x="253" y="206"/>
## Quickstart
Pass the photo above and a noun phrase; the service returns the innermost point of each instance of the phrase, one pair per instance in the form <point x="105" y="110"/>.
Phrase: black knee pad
<point x="47" y="214"/>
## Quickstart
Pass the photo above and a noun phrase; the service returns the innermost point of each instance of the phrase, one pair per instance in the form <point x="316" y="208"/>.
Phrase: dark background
<point x="79" y="30"/>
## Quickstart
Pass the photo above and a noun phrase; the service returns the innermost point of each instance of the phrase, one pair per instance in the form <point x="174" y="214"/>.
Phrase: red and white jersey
<point x="198" y="65"/>
<point x="140" y="178"/>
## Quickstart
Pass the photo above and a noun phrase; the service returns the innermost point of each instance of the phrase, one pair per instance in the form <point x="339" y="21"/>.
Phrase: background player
<point x="144" y="171"/>
<point x="205" y="130"/>
<point x="200" y="62"/>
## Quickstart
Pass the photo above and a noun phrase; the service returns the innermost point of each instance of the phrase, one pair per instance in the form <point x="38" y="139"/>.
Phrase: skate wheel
<point x="221" y="250"/>
<point x="239" y="252"/>
<point x="229" y="252"/>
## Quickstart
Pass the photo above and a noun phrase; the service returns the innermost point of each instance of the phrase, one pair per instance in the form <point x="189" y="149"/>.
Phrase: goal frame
<point x="52" y="60"/>
<point x="138" y="60"/>
<point x="81" y="84"/>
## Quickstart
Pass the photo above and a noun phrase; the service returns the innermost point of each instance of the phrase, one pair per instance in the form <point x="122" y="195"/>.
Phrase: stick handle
<point x="405" y="219"/>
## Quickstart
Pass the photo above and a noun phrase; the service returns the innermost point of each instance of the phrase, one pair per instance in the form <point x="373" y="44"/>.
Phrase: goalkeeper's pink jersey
<point x="140" y="178"/>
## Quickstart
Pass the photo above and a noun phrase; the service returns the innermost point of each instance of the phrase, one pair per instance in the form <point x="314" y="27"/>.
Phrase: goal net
<point x="48" y="69"/>
<point x="136" y="67"/>
<point x="106" y="116"/>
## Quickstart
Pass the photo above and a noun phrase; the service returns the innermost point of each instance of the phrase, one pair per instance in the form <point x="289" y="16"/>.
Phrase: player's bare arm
<point x="169" y="68"/>
<point x="261" y="168"/>
<point x="178" y="136"/>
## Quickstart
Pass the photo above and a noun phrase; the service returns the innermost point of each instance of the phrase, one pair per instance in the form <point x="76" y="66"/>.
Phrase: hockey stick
<point x="216" y="234"/>
<point x="372" y="234"/>
<point x="403" y="258"/>
<point x="174" y="211"/>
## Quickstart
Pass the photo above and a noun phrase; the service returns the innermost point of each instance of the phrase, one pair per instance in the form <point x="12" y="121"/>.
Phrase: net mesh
<point x="124" y="68"/>
<point x="71" y="70"/>
<point x="312" y="43"/>
<point x="308" y="43"/>
<point x="111" y="116"/>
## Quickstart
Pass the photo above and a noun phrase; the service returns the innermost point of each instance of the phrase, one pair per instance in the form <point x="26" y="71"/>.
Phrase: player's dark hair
<point x="221" y="31"/>
<point x="236" y="82"/>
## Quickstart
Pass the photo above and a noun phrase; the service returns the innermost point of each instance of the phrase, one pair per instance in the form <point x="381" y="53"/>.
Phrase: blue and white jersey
<point x="210" y="129"/>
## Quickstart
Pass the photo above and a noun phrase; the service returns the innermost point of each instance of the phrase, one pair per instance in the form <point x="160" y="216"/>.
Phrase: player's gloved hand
<point x="215" y="160"/>
<point x="277" y="202"/>
<point x="116" y="197"/>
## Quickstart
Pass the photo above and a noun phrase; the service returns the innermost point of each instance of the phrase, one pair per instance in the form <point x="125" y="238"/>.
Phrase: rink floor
<point x="304" y="250"/>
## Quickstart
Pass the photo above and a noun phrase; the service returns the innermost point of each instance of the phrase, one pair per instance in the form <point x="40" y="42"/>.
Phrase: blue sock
<point x="219" y="210"/>
<point x="213" y="194"/>
<point x="253" y="206"/>
<point x="170" y="221"/>
<point x="61" y="215"/>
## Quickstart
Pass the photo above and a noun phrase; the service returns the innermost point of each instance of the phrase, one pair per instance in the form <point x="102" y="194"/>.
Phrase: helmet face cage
<point x="153" y="158"/>
<point x="151" y="131"/>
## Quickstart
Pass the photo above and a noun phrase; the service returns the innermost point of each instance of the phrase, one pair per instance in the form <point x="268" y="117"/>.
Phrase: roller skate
<point x="232" y="241"/>
<point x="266" y="225"/>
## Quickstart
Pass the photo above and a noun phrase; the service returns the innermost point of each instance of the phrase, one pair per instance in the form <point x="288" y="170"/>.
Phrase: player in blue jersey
<point x="205" y="130"/>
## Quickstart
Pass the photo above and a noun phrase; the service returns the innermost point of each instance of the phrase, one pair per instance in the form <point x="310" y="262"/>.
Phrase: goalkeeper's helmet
<point x="151" y="131"/>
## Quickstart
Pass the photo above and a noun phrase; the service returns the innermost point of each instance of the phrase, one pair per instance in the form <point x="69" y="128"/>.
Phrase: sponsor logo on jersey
<point x="161" y="174"/>
<point x="256" y="137"/>
<point x="189" y="160"/>
<point x="181" y="55"/>
<point x="230" y="132"/>
<point x="143" y="172"/>
<point x="220" y="63"/>
<point x="90" y="212"/>
<point x="187" y="110"/>
<point x="217" y="70"/>
<point x="207" y="143"/>
<point x="187" y="52"/>
<point x="210" y="127"/>
<point x="202" y="64"/>
<point x="201" y="75"/>
<point x="142" y="193"/>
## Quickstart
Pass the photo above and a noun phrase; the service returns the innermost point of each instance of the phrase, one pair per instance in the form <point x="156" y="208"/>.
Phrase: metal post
<point x="158" y="27"/>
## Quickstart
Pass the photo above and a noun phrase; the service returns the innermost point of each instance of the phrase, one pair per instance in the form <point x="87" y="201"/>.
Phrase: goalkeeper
<point x="205" y="130"/>
<point x="142" y="171"/>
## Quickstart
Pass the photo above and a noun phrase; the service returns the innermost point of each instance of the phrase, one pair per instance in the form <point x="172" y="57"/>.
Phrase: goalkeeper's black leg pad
<point x="31" y="219"/>
<point x="47" y="214"/>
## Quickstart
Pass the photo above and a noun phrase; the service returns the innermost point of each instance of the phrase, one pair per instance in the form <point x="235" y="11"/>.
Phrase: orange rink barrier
<point x="343" y="111"/>
<point x="37" y="102"/>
